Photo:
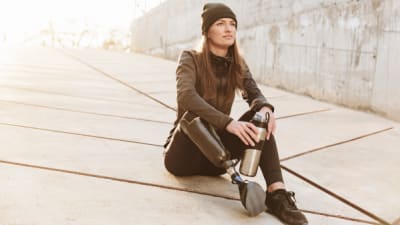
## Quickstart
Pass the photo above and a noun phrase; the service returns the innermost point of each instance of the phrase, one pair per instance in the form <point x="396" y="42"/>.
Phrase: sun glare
<point x="68" y="23"/>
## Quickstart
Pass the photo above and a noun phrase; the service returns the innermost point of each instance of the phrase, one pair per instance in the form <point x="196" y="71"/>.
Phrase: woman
<point x="206" y="85"/>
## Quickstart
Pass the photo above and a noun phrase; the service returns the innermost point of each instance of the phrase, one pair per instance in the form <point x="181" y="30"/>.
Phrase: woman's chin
<point x="227" y="45"/>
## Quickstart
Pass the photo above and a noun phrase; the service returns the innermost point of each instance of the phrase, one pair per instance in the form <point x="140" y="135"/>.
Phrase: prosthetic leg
<point x="207" y="140"/>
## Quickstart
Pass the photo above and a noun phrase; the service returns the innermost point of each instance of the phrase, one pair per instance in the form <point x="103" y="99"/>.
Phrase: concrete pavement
<point x="81" y="134"/>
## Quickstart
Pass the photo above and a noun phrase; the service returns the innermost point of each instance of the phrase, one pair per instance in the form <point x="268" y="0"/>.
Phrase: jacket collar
<point x="221" y="60"/>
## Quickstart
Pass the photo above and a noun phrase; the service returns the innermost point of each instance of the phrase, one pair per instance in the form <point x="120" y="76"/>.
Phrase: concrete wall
<point x="342" y="51"/>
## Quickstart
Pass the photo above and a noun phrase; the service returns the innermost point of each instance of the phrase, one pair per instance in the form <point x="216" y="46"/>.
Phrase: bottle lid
<point x="260" y="119"/>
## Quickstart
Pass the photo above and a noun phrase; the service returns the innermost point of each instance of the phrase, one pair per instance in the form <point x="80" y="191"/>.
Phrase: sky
<point x="19" y="18"/>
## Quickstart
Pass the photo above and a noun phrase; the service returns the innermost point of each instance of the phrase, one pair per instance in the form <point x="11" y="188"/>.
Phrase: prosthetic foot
<point x="207" y="140"/>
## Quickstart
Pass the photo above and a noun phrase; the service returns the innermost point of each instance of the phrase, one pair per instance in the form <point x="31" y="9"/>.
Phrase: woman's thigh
<point x="232" y="142"/>
<point x="183" y="158"/>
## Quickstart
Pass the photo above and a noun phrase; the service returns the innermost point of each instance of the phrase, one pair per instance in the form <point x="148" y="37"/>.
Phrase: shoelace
<point x="288" y="199"/>
<point x="291" y="198"/>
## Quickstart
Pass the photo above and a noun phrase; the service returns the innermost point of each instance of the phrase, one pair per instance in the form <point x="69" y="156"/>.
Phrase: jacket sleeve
<point x="189" y="98"/>
<point x="251" y="93"/>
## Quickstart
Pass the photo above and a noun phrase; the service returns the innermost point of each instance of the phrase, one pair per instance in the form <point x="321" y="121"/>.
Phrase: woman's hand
<point x="271" y="123"/>
<point x="246" y="131"/>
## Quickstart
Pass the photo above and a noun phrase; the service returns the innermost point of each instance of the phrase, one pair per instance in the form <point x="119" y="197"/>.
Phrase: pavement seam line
<point x="71" y="96"/>
<point x="335" y="144"/>
<point x="116" y="79"/>
<point x="155" y="99"/>
<point x="98" y="176"/>
<point x="109" y="100"/>
<point x="80" y="134"/>
<point x="137" y="118"/>
<point x="304" y="113"/>
<point x="339" y="217"/>
<point x="114" y="179"/>
<point x="147" y="94"/>
<point x="85" y="112"/>
<point x="338" y="197"/>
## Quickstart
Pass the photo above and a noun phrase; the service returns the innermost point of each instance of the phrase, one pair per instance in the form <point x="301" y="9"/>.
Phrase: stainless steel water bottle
<point x="252" y="155"/>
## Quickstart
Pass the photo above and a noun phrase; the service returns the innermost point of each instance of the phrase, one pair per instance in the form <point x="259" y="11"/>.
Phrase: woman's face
<point x="222" y="33"/>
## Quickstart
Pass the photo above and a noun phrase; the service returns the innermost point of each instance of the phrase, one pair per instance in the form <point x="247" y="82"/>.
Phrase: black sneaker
<point x="281" y="203"/>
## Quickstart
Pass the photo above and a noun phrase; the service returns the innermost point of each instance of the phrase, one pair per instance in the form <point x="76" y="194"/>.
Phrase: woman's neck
<point x="218" y="51"/>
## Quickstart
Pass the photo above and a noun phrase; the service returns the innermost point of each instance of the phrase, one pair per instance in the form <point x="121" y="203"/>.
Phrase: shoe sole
<point x="270" y="212"/>
<point x="255" y="199"/>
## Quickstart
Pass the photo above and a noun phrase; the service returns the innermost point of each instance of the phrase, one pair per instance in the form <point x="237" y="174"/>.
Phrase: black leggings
<point x="183" y="158"/>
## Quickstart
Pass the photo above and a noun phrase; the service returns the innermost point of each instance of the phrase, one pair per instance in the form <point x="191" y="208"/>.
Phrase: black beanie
<point x="213" y="12"/>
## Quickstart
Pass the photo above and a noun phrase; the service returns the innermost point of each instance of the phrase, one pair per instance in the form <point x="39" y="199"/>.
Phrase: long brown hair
<point x="208" y="78"/>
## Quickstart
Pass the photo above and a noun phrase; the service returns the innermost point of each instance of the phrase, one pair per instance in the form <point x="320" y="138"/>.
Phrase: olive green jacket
<point x="215" y="111"/>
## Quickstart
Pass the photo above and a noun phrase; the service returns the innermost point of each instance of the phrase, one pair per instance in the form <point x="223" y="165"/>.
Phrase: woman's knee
<point x="170" y="165"/>
<point x="176" y="167"/>
<point x="269" y="144"/>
